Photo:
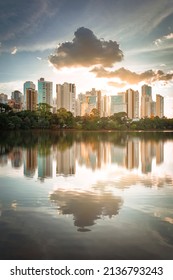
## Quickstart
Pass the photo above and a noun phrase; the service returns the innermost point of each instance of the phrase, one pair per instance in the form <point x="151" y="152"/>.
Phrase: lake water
<point x="91" y="195"/>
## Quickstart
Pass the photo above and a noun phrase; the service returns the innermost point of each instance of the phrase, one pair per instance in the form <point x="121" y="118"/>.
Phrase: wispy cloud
<point x="14" y="50"/>
<point x="161" y="40"/>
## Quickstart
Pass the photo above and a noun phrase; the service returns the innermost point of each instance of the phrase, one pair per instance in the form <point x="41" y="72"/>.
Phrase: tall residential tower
<point x="159" y="106"/>
<point x="66" y="97"/>
<point x="45" y="92"/>
<point x="27" y="85"/>
<point x="146" y="101"/>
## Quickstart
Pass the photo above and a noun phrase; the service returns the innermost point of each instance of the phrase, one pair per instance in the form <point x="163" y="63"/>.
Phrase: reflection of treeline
<point x="43" y="118"/>
<point x="152" y="135"/>
<point x="64" y="139"/>
<point x="117" y="138"/>
<point x="34" y="138"/>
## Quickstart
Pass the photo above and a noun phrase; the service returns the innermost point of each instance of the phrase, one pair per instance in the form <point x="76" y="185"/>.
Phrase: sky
<point x="109" y="45"/>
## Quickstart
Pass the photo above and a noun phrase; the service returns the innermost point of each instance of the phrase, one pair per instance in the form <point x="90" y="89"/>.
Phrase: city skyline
<point x="111" y="46"/>
<point x="136" y="105"/>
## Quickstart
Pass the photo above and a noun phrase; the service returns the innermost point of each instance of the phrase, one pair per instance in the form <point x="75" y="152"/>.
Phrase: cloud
<point x="169" y="36"/>
<point x="130" y="77"/>
<point x="86" y="50"/>
<point x="14" y="50"/>
<point x="116" y="84"/>
<point x="161" y="40"/>
<point x="8" y="87"/>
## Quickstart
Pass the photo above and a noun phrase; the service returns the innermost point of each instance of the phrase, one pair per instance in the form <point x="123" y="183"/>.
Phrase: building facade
<point x="3" y="98"/>
<point x="146" y="101"/>
<point x="45" y="92"/>
<point x="66" y="97"/>
<point x="17" y="97"/>
<point x="27" y="84"/>
<point x="159" y="106"/>
<point x="132" y="100"/>
<point x="118" y="103"/>
<point x="31" y="99"/>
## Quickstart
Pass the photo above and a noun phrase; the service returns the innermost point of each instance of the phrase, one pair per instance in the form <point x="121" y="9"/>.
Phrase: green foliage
<point x="5" y="108"/>
<point x="65" y="119"/>
<point x="43" y="118"/>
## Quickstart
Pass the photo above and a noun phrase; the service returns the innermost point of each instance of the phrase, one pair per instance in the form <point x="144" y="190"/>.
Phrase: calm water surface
<point x="86" y="195"/>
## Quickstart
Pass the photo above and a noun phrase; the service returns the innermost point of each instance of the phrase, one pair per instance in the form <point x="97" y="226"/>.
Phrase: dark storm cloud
<point x="86" y="50"/>
<point x="132" y="77"/>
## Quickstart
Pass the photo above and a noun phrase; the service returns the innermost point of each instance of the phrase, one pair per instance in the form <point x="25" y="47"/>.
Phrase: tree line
<point x="43" y="118"/>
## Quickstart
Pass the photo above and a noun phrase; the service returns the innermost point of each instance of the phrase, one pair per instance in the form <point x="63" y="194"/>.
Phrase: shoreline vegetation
<point x="43" y="118"/>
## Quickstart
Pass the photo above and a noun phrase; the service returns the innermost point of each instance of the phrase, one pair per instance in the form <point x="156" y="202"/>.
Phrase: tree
<point x="4" y="108"/>
<point x="43" y="109"/>
<point x="65" y="118"/>
<point x="15" y="122"/>
<point x="94" y="113"/>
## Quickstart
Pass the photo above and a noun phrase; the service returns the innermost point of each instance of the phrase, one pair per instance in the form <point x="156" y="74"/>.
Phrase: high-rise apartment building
<point x="99" y="101"/>
<point x="146" y="101"/>
<point x="28" y="84"/>
<point x="81" y="105"/>
<point x="118" y="103"/>
<point x="132" y="100"/>
<point x="16" y="96"/>
<point x="153" y="109"/>
<point x="31" y="99"/>
<point x="90" y="100"/>
<point x="159" y="106"/>
<point x="45" y="92"/>
<point x="3" y="98"/>
<point x="105" y="112"/>
<point x="66" y="97"/>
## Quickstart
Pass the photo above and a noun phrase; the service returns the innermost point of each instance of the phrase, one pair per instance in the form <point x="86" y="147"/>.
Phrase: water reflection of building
<point x="30" y="162"/>
<point x="65" y="162"/>
<point x="91" y="154"/>
<point x="96" y="154"/>
<point x="16" y="156"/>
<point x="118" y="155"/>
<point x="132" y="154"/>
<point x="45" y="165"/>
<point x="149" y="150"/>
<point x="146" y="156"/>
<point x="3" y="155"/>
<point x="159" y="152"/>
